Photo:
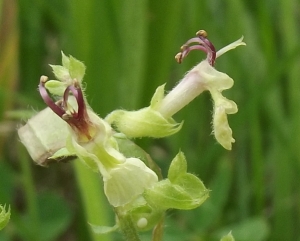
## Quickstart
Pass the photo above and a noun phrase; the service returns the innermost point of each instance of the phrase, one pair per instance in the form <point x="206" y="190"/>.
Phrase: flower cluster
<point x="69" y="128"/>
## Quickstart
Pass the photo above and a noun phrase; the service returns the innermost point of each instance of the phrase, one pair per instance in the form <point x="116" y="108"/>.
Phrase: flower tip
<point x="231" y="46"/>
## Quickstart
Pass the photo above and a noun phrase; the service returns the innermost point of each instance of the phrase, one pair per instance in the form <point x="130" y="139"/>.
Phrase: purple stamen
<point x="77" y="93"/>
<point x="203" y="44"/>
<point x="47" y="99"/>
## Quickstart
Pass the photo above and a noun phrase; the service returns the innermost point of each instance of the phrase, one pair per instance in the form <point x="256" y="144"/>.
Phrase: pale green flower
<point x="156" y="120"/>
<point x="86" y="136"/>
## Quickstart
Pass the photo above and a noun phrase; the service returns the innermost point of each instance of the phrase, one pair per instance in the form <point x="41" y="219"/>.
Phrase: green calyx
<point x="182" y="190"/>
<point x="146" y="122"/>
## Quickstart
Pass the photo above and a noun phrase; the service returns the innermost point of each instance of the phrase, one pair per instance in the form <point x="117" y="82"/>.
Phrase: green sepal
<point x="157" y="97"/>
<point x="145" y="122"/>
<point x="181" y="190"/>
<point x="4" y="216"/>
<point x="65" y="60"/>
<point x="60" y="72"/>
<point x="62" y="154"/>
<point x="142" y="123"/>
<point x="76" y="69"/>
<point x="227" y="237"/>
<point x="103" y="229"/>
<point x="177" y="168"/>
<point x="56" y="87"/>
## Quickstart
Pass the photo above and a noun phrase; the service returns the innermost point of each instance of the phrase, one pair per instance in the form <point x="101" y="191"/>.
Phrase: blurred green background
<point x="128" y="47"/>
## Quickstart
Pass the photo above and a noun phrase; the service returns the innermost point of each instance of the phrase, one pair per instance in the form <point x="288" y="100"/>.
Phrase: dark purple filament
<point x="78" y="120"/>
<point x="202" y="43"/>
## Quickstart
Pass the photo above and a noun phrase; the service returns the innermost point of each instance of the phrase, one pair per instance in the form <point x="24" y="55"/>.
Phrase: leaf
<point x="55" y="216"/>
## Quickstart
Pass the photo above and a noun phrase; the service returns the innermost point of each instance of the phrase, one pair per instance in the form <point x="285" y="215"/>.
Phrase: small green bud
<point x="4" y="216"/>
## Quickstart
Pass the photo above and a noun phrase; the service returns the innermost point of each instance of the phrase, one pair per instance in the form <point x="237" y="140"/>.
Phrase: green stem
<point x="127" y="226"/>
<point x="30" y="194"/>
<point x="93" y="199"/>
<point x="158" y="230"/>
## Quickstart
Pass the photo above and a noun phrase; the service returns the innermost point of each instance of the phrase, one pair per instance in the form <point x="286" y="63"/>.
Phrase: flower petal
<point x="231" y="46"/>
<point x="127" y="181"/>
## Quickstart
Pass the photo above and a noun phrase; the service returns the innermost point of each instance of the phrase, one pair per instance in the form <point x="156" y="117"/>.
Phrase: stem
<point x="127" y="226"/>
<point x="30" y="194"/>
<point x="158" y="230"/>
<point x="93" y="199"/>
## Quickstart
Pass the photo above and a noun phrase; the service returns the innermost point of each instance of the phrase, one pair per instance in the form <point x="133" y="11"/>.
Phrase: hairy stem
<point x="127" y="226"/>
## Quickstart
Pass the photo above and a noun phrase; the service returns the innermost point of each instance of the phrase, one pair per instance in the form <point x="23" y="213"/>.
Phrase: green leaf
<point x="76" y="69"/>
<point x="55" y="214"/>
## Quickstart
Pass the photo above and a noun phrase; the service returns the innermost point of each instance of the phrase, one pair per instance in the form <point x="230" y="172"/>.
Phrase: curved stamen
<point x="211" y="51"/>
<point x="47" y="99"/>
<point x="77" y="93"/>
<point x="203" y="44"/>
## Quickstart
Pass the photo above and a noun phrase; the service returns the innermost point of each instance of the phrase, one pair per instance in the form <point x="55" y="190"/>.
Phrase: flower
<point x="157" y="119"/>
<point x="90" y="138"/>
